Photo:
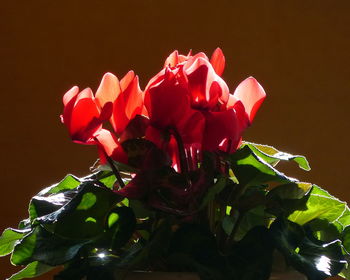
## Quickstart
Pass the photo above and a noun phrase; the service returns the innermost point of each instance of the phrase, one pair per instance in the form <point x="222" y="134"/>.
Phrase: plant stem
<point x="181" y="149"/>
<point x="113" y="167"/>
<point x="231" y="237"/>
<point x="115" y="171"/>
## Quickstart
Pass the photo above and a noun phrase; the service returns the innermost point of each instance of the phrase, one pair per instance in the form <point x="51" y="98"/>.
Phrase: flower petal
<point x="108" y="90"/>
<point x="83" y="117"/>
<point x="166" y="101"/>
<point x="172" y="59"/>
<point x="252" y="94"/>
<point x="206" y="87"/>
<point x="70" y="94"/>
<point x="219" y="127"/>
<point x="218" y="61"/>
<point x="108" y="145"/>
<point x="128" y="104"/>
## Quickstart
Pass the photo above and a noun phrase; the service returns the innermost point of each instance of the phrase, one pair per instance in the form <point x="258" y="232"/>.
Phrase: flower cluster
<point x="185" y="110"/>
<point x="186" y="101"/>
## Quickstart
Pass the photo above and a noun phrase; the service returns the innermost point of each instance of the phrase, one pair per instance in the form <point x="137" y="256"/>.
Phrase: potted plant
<point x="176" y="189"/>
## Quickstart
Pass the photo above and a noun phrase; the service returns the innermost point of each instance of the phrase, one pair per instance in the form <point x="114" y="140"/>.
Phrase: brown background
<point x="298" y="50"/>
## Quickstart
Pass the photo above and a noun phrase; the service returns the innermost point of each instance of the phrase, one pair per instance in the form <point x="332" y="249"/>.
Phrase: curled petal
<point x="251" y="94"/>
<point x="206" y="87"/>
<point x="194" y="58"/>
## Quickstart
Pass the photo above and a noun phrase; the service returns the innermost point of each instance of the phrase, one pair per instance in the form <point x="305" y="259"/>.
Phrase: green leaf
<point x="24" y="250"/>
<point x="272" y="156"/>
<point x="344" y="220"/>
<point x="295" y="190"/>
<point x="85" y="215"/>
<point x="253" y="197"/>
<point x="52" y="198"/>
<point x="323" y="230"/>
<point x="69" y="182"/>
<point x="228" y="222"/>
<point x="24" y="224"/>
<point x="108" y="181"/>
<point x="8" y="240"/>
<point x="213" y="191"/>
<point x="122" y="224"/>
<point x="320" y="205"/>
<point x="40" y="245"/>
<point x="345" y="273"/>
<point x="252" y="218"/>
<point x="284" y="199"/>
<point x="346" y="239"/>
<point x="41" y="205"/>
<point x="31" y="270"/>
<point x="88" y="200"/>
<point x="251" y="170"/>
<point x="316" y="259"/>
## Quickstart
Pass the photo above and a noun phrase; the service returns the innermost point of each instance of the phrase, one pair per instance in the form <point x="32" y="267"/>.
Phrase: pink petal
<point x="205" y="85"/>
<point x="70" y="94"/>
<point x="126" y="80"/>
<point x="172" y="59"/>
<point x="85" y="94"/>
<point x="108" y="90"/>
<point x="252" y="94"/>
<point x="69" y="99"/>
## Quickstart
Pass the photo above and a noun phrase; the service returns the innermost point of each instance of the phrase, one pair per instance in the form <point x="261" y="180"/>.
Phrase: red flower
<point x="116" y="101"/>
<point x="83" y="116"/>
<point x="188" y="105"/>
<point x="127" y="100"/>
<point x="225" y="126"/>
<point x="126" y="96"/>
<point x="189" y="95"/>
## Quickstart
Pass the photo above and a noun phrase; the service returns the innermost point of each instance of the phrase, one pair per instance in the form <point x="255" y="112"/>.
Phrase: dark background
<point x="298" y="50"/>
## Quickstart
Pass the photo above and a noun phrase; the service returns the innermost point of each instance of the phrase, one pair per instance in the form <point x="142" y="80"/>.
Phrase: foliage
<point x="83" y="224"/>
